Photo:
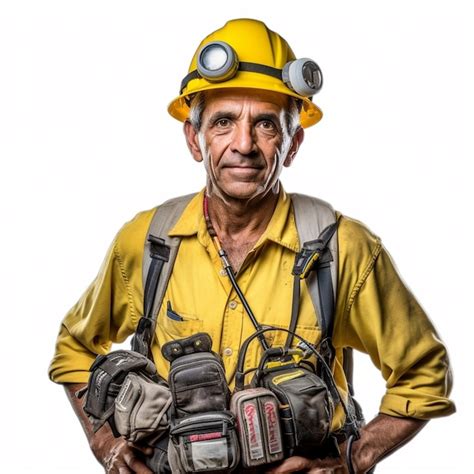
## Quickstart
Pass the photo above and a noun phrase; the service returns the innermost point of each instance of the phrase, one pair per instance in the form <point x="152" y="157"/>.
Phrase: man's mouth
<point x="244" y="166"/>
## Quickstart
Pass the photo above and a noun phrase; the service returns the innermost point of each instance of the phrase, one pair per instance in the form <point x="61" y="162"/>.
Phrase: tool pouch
<point x="203" y="437"/>
<point x="125" y="390"/>
<point x="196" y="379"/>
<point x="141" y="409"/>
<point x="205" y="442"/>
<point x="108" y="373"/>
<point x="258" y="426"/>
<point x="306" y="408"/>
<point x="306" y="404"/>
<point x="197" y="383"/>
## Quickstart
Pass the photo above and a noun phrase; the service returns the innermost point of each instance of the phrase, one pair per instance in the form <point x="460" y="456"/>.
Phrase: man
<point x="244" y="116"/>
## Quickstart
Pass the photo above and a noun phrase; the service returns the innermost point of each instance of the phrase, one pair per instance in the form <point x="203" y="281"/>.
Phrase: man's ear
<point x="297" y="140"/>
<point x="192" y="140"/>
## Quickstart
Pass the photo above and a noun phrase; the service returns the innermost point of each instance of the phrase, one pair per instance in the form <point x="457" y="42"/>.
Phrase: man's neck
<point x="236" y="217"/>
<point x="239" y="224"/>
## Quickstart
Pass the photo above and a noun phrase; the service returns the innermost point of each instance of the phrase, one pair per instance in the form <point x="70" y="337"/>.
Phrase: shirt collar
<point x="281" y="229"/>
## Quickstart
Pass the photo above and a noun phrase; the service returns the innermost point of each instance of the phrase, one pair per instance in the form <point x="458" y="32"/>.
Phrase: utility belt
<point x="196" y="425"/>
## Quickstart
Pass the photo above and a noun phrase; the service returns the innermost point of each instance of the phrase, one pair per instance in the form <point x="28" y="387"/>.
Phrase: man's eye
<point x="223" y="122"/>
<point x="267" y="125"/>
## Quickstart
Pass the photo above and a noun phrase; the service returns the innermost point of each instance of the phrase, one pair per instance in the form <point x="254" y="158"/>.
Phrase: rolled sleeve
<point x="384" y="320"/>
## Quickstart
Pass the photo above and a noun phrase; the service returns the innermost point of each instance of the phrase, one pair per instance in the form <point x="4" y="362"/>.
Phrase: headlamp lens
<point x="312" y="75"/>
<point x="217" y="62"/>
<point x="214" y="57"/>
<point x="303" y="76"/>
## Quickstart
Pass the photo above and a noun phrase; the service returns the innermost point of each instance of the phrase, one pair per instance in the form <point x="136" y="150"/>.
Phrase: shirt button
<point x="233" y="304"/>
<point x="227" y="351"/>
<point x="223" y="273"/>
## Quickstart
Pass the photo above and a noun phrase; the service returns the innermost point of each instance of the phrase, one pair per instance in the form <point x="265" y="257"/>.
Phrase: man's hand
<point x="115" y="454"/>
<point x="313" y="466"/>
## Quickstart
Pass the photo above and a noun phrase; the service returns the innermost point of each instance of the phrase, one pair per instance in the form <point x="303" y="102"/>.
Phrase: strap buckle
<point x="141" y="338"/>
<point x="158" y="248"/>
<point x="305" y="260"/>
<point x="327" y="350"/>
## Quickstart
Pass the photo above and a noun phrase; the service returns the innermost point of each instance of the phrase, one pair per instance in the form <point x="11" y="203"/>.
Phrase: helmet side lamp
<point x="218" y="62"/>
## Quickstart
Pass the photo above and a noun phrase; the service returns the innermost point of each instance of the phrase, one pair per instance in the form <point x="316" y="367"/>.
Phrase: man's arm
<point x="115" y="454"/>
<point x="381" y="437"/>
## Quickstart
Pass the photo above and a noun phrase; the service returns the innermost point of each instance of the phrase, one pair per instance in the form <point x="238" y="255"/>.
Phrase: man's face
<point x="244" y="142"/>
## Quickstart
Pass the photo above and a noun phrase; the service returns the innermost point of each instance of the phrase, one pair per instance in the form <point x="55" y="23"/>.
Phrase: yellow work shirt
<point x="375" y="312"/>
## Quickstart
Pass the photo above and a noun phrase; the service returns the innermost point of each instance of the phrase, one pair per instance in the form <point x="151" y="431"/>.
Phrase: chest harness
<point x="316" y="263"/>
<point x="125" y="389"/>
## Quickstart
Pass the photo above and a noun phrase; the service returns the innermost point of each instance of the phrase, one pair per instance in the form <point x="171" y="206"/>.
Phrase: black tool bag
<point x="306" y="408"/>
<point x="306" y="400"/>
<point x="202" y="431"/>
<point x="197" y="384"/>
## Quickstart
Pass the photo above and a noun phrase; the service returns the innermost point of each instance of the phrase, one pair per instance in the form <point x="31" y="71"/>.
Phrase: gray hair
<point x="291" y="115"/>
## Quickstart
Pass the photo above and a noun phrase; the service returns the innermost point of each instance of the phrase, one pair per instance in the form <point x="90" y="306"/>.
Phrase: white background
<point x="86" y="142"/>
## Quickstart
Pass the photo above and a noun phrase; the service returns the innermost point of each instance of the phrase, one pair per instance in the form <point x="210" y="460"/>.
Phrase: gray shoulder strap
<point x="312" y="216"/>
<point x="164" y="219"/>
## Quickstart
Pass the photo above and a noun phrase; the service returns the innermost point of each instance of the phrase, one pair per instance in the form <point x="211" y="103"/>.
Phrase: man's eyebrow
<point x="220" y="114"/>
<point x="270" y="116"/>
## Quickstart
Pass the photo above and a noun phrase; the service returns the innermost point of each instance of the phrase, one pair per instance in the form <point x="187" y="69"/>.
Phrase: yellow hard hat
<point x="246" y="54"/>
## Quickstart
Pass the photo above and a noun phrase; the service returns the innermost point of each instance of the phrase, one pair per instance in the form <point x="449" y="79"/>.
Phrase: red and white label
<point x="204" y="436"/>
<point x="273" y="427"/>
<point x="253" y="430"/>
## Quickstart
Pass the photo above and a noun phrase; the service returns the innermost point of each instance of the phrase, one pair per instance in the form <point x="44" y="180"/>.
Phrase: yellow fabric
<point x="376" y="313"/>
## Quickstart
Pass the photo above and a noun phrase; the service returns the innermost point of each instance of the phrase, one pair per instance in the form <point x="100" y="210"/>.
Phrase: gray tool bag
<point x="108" y="375"/>
<point x="258" y="426"/>
<point x="203" y="434"/>
<point x="125" y="390"/>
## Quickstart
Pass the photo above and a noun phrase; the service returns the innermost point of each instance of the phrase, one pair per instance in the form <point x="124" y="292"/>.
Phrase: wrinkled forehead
<point x="251" y="99"/>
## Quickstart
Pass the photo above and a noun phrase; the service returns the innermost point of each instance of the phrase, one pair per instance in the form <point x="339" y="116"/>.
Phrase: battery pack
<point x="258" y="426"/>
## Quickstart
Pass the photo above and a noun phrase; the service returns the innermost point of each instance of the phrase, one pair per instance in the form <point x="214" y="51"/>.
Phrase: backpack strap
<point x="315" y="217"/>
<point x="159" y="256"/>
<point x="312" y="216"/>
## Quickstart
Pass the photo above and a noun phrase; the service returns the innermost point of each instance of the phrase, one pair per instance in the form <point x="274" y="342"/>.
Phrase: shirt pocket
<point x="169" y="329"/>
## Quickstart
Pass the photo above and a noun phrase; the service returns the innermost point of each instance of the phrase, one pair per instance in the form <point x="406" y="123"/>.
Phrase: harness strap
<point x="159" y="253"/>
<point x="295" y="309"/>
<point x="315" y="217"/>
<point x="315" y="255"/>
<point x="158" y="259"/>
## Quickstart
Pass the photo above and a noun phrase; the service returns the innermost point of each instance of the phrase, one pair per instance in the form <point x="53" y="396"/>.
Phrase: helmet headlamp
<point x="303" y="76"/>
<point x="217" y="61"/>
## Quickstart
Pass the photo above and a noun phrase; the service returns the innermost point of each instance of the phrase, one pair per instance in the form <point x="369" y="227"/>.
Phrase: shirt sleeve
<point x="383" y="319"/>
<point x="109" y="309"/>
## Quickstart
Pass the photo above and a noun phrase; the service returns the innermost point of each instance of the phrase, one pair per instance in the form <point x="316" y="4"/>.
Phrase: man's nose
<point x="243" y="140"/>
